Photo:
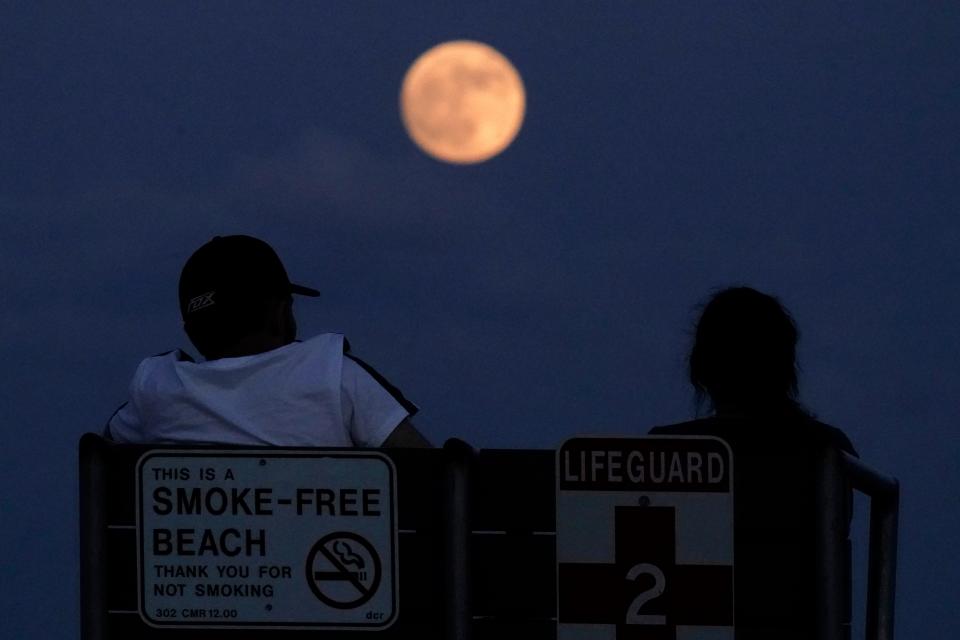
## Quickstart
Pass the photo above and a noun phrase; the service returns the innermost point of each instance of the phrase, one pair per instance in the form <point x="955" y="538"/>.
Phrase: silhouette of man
<point x="744" y="362"/>
<point x="258" y="385"/>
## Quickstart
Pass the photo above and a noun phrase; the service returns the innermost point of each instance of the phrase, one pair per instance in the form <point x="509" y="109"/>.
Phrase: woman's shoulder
<point x="792" y="427"/>
<point x="701" y="426"/>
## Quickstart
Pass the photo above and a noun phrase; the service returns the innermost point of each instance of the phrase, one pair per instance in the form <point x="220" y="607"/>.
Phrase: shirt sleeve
<point x="371" y="407"/>
<point x="124" y="424"/>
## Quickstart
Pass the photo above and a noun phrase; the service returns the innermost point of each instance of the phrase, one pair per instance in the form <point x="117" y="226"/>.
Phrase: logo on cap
<point x="200" y="302"/>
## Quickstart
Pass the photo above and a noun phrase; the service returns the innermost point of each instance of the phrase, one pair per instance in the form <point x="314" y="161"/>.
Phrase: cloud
<point x="342" y="181"/>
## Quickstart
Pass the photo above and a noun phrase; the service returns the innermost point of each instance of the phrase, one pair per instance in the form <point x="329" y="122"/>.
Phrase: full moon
<point x="462" y="102"/>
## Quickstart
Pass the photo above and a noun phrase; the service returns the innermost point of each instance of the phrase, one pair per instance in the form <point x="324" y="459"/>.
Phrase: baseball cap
<point x="229" y="272"/>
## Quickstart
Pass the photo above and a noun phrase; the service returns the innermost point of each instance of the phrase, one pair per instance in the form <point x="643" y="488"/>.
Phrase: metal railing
<point x="840" y="473"/>
<point x="458" y="459"/>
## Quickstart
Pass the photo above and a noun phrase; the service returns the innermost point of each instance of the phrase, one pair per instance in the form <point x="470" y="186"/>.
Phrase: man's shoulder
<point x="322" y="342"/>
<point x="173" y="355"/>
<point x="321" y="347"/>
<point x="163" y="361"/>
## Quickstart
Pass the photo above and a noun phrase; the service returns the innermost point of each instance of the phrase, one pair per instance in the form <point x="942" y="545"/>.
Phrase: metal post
<point x="93" y="548"/>
<point x="884" y="495"/>
<point x="830" y="546"/>
<point x="457" y="530"/>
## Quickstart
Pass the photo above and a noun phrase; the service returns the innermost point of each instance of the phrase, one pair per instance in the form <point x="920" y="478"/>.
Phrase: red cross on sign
<point x="645" y="593"/>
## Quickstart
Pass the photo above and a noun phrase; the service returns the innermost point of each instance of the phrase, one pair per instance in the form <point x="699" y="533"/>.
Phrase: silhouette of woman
<point x="743" y="362"/>
<point x="744" y="356"/>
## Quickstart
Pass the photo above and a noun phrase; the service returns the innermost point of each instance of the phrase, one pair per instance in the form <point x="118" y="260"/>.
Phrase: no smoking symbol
<point x="343" y="570"/>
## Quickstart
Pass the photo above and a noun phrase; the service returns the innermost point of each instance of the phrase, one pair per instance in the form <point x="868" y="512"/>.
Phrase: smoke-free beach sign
<point x="271" y="539"/>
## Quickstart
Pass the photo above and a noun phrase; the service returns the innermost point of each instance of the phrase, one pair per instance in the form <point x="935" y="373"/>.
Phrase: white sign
<point x="645" y="538"/>
<point x="273" y="539"/>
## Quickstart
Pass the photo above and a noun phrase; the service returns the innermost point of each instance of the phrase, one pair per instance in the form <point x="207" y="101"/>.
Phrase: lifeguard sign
<point x="275" y="539"/>
<point x="645" y="539"/>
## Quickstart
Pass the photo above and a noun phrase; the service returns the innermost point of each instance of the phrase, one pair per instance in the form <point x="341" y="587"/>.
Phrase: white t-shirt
<point x="305" y="394"/>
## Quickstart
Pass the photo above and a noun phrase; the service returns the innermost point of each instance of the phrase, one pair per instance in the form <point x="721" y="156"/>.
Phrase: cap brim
<point x="304" y="291"/>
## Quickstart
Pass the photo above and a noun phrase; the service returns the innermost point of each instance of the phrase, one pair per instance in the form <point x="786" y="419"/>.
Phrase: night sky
<point x="808" y="149"/>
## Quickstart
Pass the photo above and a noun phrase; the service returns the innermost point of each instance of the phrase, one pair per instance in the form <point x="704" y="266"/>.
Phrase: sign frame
<point x="317" y="456"/>
<point x="648" y="503"/>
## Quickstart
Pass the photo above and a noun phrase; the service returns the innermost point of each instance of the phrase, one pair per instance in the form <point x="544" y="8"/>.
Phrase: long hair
<point x="744" y="352"/>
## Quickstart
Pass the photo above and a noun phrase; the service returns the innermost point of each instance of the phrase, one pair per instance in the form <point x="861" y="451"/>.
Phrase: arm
<point x="124" y="425"/>
<point x="375" y="412"/>
<point x="406" y="435"/>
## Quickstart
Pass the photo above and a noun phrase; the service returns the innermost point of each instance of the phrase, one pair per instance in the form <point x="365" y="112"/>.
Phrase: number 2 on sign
<point x="660" y="582"/>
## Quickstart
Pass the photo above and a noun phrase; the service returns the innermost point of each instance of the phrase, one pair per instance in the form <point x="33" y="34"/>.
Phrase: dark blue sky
<point x="809" y="149"/>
